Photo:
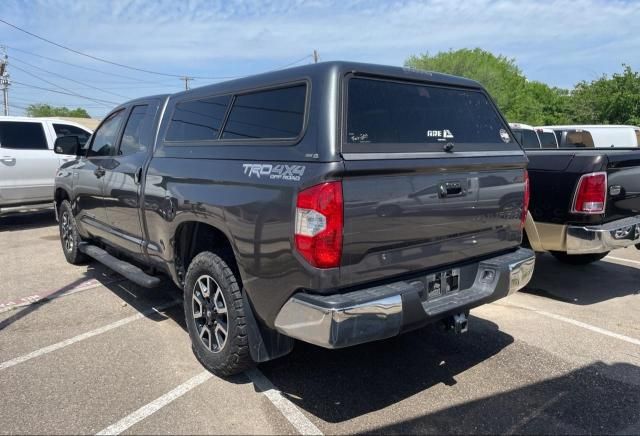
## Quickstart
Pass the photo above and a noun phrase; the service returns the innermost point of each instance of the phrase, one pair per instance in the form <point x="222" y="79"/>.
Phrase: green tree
<point x="608" y="100"/>
<point x="45" y="110"/>
<point x="518" y="99"/>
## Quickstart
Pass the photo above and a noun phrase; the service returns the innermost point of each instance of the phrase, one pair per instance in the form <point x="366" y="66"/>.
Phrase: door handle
<point x="137" y="177"/>
<point x="99" y="172"/>
<point x="8" y="160"/>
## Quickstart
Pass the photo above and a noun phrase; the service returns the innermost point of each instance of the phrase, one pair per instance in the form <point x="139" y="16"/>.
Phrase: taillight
<point x="591" y="194"/>
<point x="525" y="201"/>
<point x="318" y="224"/>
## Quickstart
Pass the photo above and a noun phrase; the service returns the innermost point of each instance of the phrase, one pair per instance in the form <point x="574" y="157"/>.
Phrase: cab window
<point x="527" y="138"/>
<point x="104" y="139"/>
<point x="579" y="139"/>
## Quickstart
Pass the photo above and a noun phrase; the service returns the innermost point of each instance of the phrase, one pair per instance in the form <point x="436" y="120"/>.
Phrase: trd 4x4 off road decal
<point x="274" y="172"/>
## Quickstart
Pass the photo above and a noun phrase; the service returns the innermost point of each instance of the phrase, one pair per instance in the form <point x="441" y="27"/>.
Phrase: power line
<point x="71" y="80"/>
<point x="28" y="85"/>
<point x="82" y="66"/>
<point x="96" y="58"/>
<point x="28" y="101"/>
<point x="65" y="89"/>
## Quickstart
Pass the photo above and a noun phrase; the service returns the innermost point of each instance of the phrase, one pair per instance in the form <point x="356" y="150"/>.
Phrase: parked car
<point x="260" y="198"/>
<point x="28" y="163"/>
<point x="526" y="135"/>
<point x="584" y="202"/>
<point x="596" y="136"/>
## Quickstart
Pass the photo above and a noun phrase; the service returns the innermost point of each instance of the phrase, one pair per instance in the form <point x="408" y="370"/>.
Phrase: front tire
<point x="69" y="237"/>
<point x="215" y="318"/>
<point x="578" y="259"/>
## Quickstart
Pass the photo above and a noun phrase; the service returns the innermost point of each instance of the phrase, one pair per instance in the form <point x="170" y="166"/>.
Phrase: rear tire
<point x="214" y="314"/>
<point x="69" y="237"/>
<point x="578" y="259"/>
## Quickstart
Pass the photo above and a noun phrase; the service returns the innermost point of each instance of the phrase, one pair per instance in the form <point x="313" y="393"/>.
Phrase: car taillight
<point x="525" y="201"/>
<point x="591" y="194"/>
<point x="318" y="224"/>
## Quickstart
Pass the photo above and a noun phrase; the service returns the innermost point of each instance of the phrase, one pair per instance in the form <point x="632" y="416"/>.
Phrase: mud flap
<point x="264" y="344"/>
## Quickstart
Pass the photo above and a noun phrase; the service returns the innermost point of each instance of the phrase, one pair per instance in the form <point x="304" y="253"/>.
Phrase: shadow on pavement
<point x="584" y="401"/>
<point x="22" y="311"/>
<point x="140" y="299"/>
<point x="582" y="285"/>
<point x="27" y="220"/>
<point x="338" y="385"/>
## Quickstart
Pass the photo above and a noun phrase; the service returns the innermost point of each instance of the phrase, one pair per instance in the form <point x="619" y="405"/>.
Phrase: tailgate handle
<point x="450" y="189"/>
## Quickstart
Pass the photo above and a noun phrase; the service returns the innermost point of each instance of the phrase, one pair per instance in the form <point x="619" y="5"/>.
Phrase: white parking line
<point x="155" y="405"/>
<point x="584" y="325"/>
<point x="300" y="422"/>
<point x="535" y="414"/>
<point x="83" y="336"/>
<point x="622" y="259"/>
<point x="286" y="407"/>
<point x="52" y="295"/>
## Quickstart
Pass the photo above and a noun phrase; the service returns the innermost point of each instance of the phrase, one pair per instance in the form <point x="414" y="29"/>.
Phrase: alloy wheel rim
<point x="67" y="232"/>
<point x="209" y="310"/>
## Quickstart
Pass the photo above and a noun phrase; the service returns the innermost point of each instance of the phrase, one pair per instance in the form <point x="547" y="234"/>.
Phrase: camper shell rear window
<point x="386" y="115"/>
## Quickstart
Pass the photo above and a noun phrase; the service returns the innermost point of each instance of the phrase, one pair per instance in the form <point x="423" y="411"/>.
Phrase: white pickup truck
<point x="27" y="162"/>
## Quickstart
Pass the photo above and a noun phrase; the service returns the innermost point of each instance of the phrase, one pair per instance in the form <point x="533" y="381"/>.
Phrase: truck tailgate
<point x="413" y="214"/>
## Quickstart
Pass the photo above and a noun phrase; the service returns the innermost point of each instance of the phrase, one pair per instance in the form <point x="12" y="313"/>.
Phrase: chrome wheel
<point x="209" y="310"/>
<point x="66" y="232"/>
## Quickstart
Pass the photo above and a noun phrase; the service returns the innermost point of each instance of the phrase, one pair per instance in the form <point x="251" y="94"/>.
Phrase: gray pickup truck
<point x="337" y="204"/>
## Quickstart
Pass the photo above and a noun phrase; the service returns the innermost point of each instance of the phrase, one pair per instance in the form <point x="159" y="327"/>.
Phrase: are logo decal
<point x="274" y="172"/>
<point x="440" y="135"/>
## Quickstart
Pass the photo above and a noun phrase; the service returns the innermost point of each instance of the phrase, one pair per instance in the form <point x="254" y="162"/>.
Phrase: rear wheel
<point x="215" y="317"/>
<point x="69" y="237"/>
<point x="578" y="259"/>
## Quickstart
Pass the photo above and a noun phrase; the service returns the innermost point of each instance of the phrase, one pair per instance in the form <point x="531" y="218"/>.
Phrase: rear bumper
<point x="599" y="239"/>
<point x="342" y="320"/>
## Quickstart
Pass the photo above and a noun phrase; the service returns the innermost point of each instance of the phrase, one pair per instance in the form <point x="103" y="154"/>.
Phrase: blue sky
<point x="557" y="42"/>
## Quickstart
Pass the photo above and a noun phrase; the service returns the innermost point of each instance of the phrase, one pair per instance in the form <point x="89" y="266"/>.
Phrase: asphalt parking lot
<point x="83" y="351"/>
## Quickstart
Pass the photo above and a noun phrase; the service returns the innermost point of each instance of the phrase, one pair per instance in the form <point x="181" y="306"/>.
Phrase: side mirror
<point x="69" y="144"/>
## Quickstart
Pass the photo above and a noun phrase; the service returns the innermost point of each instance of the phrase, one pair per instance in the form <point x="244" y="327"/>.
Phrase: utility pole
<point x="4" y="78"/>
<point x="315" y="56"/>
<point x="186" y="79"/>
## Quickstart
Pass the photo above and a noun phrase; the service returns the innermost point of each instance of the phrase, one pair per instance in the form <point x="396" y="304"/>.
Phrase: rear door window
<point x="137" y="132"/>
<point x="271" y="114"/>
<point x="390" y="116"/>
<point x="22" y="135"/>
<point x="198" y="120"/>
